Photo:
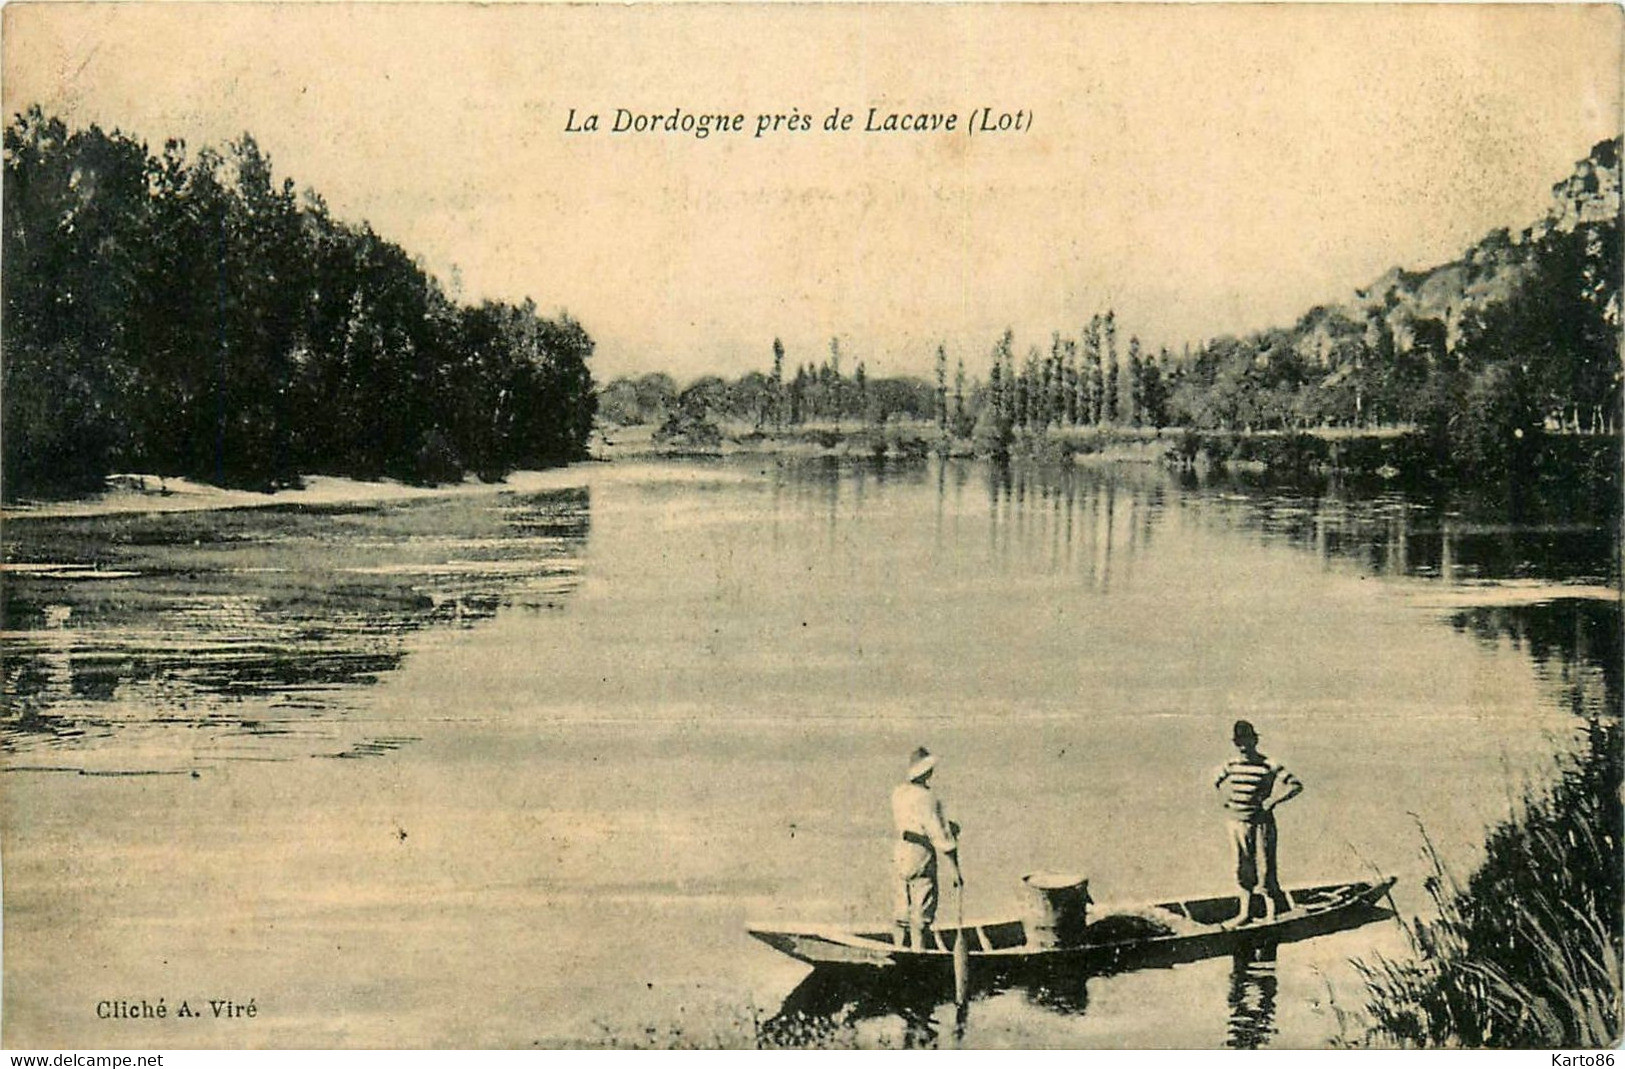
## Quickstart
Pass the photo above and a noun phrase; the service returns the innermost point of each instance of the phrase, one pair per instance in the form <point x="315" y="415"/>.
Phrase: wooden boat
<point x="1115" y="939"/>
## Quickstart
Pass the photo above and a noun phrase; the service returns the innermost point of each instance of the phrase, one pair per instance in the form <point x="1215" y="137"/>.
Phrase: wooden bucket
<point x="1057" y="908"/>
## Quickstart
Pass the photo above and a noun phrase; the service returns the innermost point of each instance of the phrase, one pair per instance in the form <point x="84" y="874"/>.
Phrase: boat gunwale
<point x="1367" y="894"/>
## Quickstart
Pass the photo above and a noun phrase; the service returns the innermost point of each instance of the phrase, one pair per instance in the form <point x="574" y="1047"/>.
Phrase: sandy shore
<point x="147" y="493"/>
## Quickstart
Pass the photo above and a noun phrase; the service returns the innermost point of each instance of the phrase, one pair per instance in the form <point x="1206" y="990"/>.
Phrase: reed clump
<point x="1528" y="952"/>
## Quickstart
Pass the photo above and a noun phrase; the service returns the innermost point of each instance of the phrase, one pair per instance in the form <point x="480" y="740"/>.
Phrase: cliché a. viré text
<point x="119" y="1009"/>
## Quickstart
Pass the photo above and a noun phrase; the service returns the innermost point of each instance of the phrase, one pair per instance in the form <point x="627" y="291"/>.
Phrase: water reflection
<point x="1114" y="512"/>
<point x="1253" y="987"/>
<point x="269" y="619"/>
<point x="1099" y="520"/>
<point x="1575" y="644"/>
<point x="830" y="1006"/>
<point x="257" y="625"/>
<point x="1097" y="527"/>
<point x="1059" y="992"/>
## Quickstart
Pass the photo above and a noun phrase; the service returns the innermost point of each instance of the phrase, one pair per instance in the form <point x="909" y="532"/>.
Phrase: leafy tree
<point x="1070" y="401"/>
<point x="752" y="398"/>
<point x="618" y="402"/>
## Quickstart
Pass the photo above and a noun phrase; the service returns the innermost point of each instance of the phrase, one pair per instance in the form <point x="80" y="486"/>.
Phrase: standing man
<point x="1252" y="785"/>
<point x="924" y="836"/>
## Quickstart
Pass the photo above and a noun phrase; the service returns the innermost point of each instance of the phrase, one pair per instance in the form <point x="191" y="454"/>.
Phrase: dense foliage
<point x="186" y="314"/>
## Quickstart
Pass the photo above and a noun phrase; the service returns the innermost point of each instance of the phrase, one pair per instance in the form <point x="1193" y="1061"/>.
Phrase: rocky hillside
<point x="1518" y="336"/>
<point x="1590" y="195"/>
<point x="1494" y="268"/>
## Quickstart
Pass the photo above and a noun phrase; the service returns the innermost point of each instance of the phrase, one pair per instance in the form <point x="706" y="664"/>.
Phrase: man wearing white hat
<point x="923" y="836"/>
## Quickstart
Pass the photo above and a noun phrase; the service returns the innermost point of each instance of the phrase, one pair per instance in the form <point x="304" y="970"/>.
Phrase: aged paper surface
<point x="507" y="764"/>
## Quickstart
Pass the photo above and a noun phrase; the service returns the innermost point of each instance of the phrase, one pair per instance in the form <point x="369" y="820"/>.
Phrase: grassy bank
<point x="1528" y="952"/>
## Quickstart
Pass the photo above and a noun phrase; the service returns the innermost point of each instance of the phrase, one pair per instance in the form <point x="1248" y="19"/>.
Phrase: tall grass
<point x="1528" y="952"/>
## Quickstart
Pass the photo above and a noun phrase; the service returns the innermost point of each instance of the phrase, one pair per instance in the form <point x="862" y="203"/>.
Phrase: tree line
<point x="1479" y="358"/>
<point x="1080" y="382"/>
<point x="812" y="394"/>
<point x="1075" y="384"/>
<point x="186" y="314"/>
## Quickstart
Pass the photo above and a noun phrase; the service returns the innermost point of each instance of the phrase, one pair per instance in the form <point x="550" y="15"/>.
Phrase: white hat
<point x="921" y="762"/>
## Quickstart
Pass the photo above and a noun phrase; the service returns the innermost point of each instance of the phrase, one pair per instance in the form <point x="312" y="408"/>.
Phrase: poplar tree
<point x="1094" y="386"/>
<point x="959" y="397"/>
<point x="1069" y="382"/>
<point x="778" y="384"/>
<point x="1108" y="331"/>
<point x="1136" y="382"/>
<point x="1007" y="355"/>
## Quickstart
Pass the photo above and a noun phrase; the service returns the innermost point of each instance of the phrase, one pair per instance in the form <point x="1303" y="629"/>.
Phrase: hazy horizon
<point x="1202" y="170"/>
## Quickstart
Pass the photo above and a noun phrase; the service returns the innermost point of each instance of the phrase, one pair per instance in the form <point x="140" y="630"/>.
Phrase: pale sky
<point x="1203" y="170"/>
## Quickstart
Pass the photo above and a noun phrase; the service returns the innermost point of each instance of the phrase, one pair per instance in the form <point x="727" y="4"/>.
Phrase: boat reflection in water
<point x="832" y="1005"/>
<point x="826" y="1008"/>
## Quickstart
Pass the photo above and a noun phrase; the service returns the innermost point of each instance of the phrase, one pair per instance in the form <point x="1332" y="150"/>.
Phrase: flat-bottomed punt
<point x="1116" y="938"/>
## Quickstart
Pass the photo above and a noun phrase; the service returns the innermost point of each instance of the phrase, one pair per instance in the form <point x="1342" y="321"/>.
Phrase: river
<point x="515" y="768"/>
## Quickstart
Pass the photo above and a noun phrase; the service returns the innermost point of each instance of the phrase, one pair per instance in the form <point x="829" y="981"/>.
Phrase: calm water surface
<point x="514" y="768"/>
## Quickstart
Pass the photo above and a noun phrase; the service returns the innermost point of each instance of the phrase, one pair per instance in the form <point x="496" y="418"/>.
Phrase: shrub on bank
<point x="1529" y="952"/>
<point x="688" y="429"/>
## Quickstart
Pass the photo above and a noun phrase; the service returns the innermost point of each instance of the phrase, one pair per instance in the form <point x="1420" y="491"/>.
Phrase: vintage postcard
<point x="839" y="526"/>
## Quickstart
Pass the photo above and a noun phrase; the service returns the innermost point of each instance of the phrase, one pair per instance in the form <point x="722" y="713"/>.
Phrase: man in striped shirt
<point x="1252" y="785"/>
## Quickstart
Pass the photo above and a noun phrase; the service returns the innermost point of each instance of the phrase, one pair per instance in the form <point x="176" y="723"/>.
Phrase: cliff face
<point x="1590" y="195"/>
<point x="1489" y="272"/>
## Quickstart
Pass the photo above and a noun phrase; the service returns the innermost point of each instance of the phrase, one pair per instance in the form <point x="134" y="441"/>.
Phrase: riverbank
<point x="897" y="439"/>
<point x="1528" y="952"/>
<point x="134" y="493"/>
<point x="1401" y="454"/>
<point x="1578" y="475"/>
